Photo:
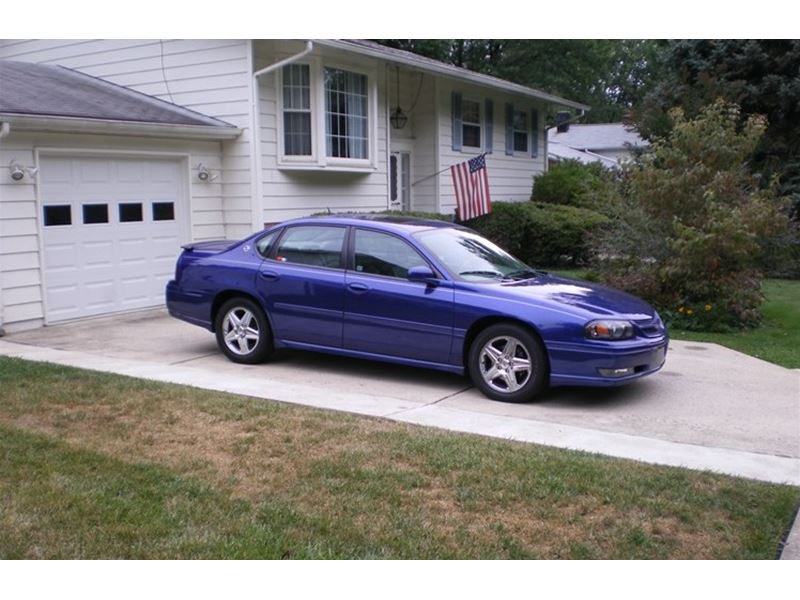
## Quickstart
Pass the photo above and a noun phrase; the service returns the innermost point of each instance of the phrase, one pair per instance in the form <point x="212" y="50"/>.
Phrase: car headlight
<point x="609" y="330"/>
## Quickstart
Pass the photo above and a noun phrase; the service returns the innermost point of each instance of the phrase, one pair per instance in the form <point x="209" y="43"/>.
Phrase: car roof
<point x="389" y="222"/>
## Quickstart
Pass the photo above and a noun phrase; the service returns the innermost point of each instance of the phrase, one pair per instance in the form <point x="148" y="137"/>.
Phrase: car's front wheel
<point x="243" y="332"/>
<point x="508" y="363"/>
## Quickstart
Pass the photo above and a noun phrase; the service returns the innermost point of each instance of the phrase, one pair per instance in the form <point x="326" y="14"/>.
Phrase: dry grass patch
<point x="319" y="484"/>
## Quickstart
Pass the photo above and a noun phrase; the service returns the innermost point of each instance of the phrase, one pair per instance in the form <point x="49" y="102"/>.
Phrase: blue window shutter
<point x="510" y="129"/>
<point x="457" y="132"/>
<point x="534" y="133"/>
<point x="489" y="126"/>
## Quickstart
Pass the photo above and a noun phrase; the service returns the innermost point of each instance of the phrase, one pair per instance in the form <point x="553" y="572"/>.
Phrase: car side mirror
<point x="421" y="273"/>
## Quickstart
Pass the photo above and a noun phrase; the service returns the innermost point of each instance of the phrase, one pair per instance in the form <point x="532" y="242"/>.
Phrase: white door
<point x="112" y="229"/>
<point x="400" y="181"/>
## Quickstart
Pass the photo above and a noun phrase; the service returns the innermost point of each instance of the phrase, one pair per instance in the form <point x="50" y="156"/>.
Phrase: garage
<point x="101" y="186"/>
<point x="111" y="230"/>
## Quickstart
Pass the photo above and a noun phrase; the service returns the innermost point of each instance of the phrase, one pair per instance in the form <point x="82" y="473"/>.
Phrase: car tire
<point x="243" y="332"/>
<point x="515" y="373"/>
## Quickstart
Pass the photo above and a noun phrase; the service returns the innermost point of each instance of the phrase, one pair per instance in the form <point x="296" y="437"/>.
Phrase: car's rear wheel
<point x="243" y="332"/>
<point x="508" y="363"/>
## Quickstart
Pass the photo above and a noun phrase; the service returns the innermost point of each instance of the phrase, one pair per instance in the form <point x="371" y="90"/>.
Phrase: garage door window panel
<point x="95" y="214"/>
<point x="163" y="211"/>
<point x="131" y="212"/>
<point x="57" y="215"/>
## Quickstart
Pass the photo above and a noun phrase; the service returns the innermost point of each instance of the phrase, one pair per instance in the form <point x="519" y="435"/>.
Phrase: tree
<point x="761" y="76"/>
<point x="692" y="222"/>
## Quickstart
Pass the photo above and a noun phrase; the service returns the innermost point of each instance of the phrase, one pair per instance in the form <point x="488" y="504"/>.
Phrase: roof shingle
<point x="55" y="91"/>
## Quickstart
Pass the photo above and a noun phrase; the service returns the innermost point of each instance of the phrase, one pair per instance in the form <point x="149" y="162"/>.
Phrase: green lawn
<point x="777" y="340"/>
<point x="95" y="465"/>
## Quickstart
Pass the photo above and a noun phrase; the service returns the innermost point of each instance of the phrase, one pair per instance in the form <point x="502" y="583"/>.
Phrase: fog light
<point x="616" y="372"/>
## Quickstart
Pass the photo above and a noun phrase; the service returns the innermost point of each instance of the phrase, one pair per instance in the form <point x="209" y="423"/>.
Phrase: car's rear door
<point x="387" y="314"/>
<point x="302" y="284"/>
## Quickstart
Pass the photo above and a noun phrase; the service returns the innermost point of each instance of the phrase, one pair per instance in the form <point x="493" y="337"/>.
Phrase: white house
<point x="113" y="153"/>
<point x="610" y="144"/>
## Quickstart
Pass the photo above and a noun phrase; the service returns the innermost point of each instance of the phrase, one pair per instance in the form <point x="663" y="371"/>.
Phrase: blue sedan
<point x="414" y="292"/>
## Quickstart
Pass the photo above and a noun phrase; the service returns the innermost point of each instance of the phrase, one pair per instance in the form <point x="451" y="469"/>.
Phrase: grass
<point x="777" y="340"/>
<point x="102" y="466"/>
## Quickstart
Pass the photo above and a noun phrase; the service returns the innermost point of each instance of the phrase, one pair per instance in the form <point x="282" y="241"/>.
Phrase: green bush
<point x="574" y="184"/>
<point x="540" y="234"/>
<point x="692" y="223"/>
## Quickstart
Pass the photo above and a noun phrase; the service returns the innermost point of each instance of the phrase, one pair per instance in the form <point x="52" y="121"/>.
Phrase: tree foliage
<point x="611" y="76"/>
<point x="761" y="76"/>
<point x="692" y="221"/>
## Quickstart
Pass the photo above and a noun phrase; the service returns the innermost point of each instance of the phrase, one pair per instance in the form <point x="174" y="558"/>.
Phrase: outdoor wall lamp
<point x="18" y="171"/>
<point x="204" y="175"/>
<point x="398" y="118"/>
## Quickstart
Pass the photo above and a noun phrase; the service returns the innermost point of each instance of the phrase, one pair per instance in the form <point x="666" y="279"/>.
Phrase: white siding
<point x="424" y="188"/>
<point x="209" y="76"/>
<point x="510" y="177"/>
<point x="293" y="193"/>
<point x="20" y="264"/>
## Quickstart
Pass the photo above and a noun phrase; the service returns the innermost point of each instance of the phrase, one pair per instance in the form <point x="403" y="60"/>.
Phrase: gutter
<point x="111" y="127"/>
<point x="257" y="163"/>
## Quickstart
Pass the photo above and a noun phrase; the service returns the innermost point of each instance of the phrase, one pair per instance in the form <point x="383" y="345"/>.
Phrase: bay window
<point x="327" y="117"/>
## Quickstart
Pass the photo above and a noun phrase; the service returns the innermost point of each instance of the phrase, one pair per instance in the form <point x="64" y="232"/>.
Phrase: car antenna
<point x="329" y="210"/>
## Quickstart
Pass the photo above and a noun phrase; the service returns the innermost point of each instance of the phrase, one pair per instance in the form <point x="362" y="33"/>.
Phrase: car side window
<point x="379" y="253"/>
<point x="264" y="244"/>
<point x="315" y="245"/>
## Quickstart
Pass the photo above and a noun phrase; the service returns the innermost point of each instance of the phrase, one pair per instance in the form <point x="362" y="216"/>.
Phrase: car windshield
<point x="470" y="257"/>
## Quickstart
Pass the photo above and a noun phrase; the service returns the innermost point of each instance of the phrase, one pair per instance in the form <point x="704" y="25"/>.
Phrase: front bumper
<point x="605" y="363"/>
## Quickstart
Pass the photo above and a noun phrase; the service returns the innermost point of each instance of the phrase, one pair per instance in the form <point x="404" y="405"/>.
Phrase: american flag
<point x="472" y="188"/>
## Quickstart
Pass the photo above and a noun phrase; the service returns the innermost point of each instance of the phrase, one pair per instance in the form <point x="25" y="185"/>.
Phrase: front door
<point x="400" y="181"/>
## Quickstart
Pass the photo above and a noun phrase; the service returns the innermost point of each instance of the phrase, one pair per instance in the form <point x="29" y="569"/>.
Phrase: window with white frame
<point x="520" y="130"/>
<point x="346" y="114"/>
<point x="471" y="123"/>
<point x="297" y="140"/>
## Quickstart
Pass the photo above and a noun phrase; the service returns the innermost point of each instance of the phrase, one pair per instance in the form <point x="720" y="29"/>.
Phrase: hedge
<point x="540" y="234"/>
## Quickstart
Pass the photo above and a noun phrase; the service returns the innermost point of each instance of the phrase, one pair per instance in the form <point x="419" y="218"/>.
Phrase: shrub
<point x="540" y="234"/>
<point x="574" y="184"/>
<point x="691" y="223"/>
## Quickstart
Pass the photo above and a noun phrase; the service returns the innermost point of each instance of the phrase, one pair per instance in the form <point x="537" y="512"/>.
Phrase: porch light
<point x="398" y="118"/>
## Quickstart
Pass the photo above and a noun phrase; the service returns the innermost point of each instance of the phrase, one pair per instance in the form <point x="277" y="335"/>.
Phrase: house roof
<point x="422" y="63"/>
<point x="558" y="151"/>
<point x="31" y="90"/>
<point x="604" y="136"/>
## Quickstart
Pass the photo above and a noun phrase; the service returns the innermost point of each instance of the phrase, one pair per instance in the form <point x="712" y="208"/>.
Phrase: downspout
<point x="5" y="129"/>
<point x="258" y="219"/>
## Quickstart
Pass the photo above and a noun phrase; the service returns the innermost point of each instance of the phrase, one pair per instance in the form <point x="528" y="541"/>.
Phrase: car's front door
<point x="387" y="314"/>
<point x="302" y="284"/>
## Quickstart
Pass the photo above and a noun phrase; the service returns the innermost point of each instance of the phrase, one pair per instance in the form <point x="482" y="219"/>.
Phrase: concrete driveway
<point x="709" y="408"/>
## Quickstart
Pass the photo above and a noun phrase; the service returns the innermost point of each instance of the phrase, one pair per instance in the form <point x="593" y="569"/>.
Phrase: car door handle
<point x="358" y="288"/>
<point x="269" y="275"/>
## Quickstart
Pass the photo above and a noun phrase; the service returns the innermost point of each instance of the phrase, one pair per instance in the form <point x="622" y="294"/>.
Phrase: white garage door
<point x="112" y="229"/>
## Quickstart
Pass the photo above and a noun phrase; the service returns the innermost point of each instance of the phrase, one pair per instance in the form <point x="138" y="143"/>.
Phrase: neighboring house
<point x="610" y="144"/>
<point x="116" y="152"/>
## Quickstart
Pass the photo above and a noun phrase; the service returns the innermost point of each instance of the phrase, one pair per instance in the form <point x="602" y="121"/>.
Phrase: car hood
<point x="597" y="300"/>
